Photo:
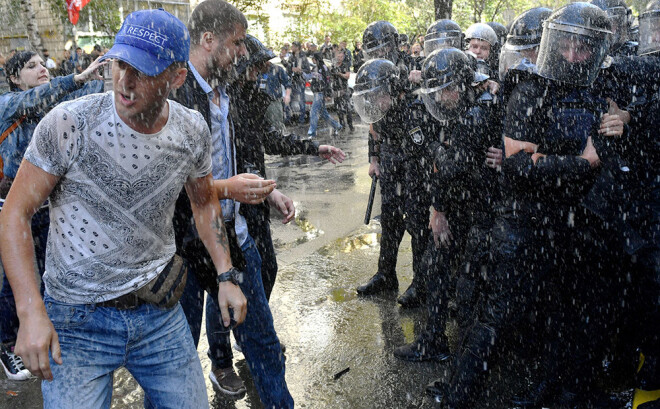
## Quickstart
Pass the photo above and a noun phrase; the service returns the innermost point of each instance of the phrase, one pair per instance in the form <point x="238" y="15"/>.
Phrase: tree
<point x="31" y="26"/>
<point x="442" y="8"/>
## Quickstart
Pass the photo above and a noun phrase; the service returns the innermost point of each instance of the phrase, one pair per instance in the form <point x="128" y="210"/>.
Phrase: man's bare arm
<point x="211" y="227"/>
<point x="36" y="334"/>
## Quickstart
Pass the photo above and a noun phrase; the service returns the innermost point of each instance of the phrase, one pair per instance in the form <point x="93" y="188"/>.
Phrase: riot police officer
<point x="522" y="43"/>
<point x="537" y="240"/>
<point x="381" y="96"/>
<point x="464" y="191"/>
<point x="621" y="18"/>
<point x="481" y="41"/>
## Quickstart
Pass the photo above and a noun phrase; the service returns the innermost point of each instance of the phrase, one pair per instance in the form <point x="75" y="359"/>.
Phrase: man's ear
<point x="179" y="77"/>
<point x="207" y="40"/>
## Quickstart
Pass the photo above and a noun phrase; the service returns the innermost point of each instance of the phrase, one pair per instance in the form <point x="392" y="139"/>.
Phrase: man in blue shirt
<point x="217" y="32"/>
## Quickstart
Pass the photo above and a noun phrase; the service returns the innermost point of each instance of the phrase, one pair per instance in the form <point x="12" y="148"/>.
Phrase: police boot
<point x="427" y="347"/>
<point x="412" y="297"/>
<point x="379" y="283"/>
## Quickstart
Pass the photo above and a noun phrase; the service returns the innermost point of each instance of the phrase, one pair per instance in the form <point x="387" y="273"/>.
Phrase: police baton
<point x="372" y="193"/>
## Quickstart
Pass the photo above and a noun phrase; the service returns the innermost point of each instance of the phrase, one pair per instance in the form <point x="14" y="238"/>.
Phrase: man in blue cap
<point x="112" y="166"/>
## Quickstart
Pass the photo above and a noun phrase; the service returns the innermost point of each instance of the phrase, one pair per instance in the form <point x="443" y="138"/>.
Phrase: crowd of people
<point x="522" y="161"/>
<point x="526" y="175"/>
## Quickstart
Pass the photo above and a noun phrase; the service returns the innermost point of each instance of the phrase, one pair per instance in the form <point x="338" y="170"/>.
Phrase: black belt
<point x="125" y="302"/>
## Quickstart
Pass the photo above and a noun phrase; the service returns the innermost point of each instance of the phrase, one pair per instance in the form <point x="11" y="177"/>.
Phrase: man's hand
<point x="494" y="157"/>
<point x="611" y="123"/>
<point x="231" y="296"/>
<point x="91" y="72"/>
<point x="244" y="188"/>
<point x="296" y="69"/>
<point x="332" y="154"/>
<point x="36" y="336"/>
<point x="415" y="76"/>
<point x="374" y="168"/>
<point x="283" y="204"/>
<point x="590" y="154"/>
<point x="440" y="228"/>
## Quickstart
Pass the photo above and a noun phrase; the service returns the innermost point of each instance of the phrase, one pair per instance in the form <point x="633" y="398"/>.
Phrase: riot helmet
<point x="523" y="40"/>
<point x="649" y="29"/>
<point x="576" y="39"/>
<point x="381" y="40"/>
<point x="620" y="17"/>
<point x="446" y="77"/>
<point x="443" y="33"/>
<point x="483" y="32"/>
<point x="256" y="53"/>
<point x="499" y="30"/>
<point x="375" y="89"/>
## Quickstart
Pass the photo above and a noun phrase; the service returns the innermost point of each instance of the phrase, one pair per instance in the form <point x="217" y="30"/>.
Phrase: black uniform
<point x="404" y="181"/>
<point x="536" y="240"/>
<point x="253" y="138"/>
<point x="466" y="190"/>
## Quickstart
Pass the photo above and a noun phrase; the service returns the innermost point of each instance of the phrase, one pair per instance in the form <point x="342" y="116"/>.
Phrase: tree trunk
<point x="31" y="26"/>
<point x="442" y="8"/>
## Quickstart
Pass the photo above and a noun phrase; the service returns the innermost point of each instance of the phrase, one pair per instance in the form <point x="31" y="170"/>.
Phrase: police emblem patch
<point x="416" y="135"/>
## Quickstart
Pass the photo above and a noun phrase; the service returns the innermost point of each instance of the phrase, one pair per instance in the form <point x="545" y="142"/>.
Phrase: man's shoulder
<point x="183" y="114"/>
<point x="91" y="105"/>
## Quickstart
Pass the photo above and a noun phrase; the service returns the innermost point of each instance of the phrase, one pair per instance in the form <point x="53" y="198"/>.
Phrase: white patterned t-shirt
<point x="111" y="212"/>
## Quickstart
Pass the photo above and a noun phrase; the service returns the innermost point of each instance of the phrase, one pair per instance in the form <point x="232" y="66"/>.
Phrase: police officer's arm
<point x="374" y="152"/>
<point x="211" y="227"/>
<point x="36" y="334"/>
<point x="526" y="119"/>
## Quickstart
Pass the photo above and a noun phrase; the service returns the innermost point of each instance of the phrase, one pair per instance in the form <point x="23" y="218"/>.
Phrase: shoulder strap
<point x="13" y="126"/>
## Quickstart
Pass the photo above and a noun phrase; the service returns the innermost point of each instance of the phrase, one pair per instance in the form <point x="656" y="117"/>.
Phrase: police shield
<point x="649" y="32"/>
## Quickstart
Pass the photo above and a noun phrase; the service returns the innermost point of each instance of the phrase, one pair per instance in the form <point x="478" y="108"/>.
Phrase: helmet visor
<point x="441" y="101"/>
<point x="619" y="19"/>
<point x="572" y="54"/>
<point x="437" y="41"/>
<point x="372" y="104"/>
<point x="508" y="58"/>
<point x="649" y="34"/>
<point x="384" y="50"/>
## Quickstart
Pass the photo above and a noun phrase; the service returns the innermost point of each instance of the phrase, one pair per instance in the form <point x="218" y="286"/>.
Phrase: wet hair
<point x="216" y="16"/>
<point x="14" y="66"/>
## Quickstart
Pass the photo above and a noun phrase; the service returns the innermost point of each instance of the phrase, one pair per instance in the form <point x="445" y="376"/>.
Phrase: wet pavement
<point x="326" y="328"/>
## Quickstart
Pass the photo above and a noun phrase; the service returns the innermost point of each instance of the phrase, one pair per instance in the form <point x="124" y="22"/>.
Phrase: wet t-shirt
<point x="111" y="212"/>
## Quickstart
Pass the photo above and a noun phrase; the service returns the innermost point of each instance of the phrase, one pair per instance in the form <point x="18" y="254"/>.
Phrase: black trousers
<point x="405" y="201"/>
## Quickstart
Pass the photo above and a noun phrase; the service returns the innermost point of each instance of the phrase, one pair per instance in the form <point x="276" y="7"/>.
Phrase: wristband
<point x="233" y="274"/>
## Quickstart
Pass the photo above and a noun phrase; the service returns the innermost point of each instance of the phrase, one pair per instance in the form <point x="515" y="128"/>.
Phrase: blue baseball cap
<point x="150" y="41"/>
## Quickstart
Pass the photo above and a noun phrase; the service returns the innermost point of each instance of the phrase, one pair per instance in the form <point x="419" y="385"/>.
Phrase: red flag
<point x="73" y="7"/>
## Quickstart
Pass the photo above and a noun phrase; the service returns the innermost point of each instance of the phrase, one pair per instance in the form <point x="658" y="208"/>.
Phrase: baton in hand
<point x="372" y="193"/>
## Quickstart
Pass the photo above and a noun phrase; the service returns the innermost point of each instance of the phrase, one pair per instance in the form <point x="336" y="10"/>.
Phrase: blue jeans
<point x="256" y="335"/>
<point x="298" y="94"/>
<point x="8" y="317"/>
<point x="318" y="110"/>
<point x="153" y="344"/>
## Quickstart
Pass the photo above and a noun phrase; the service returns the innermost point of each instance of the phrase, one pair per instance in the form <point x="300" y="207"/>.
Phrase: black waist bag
<point x="165" y="290"/>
